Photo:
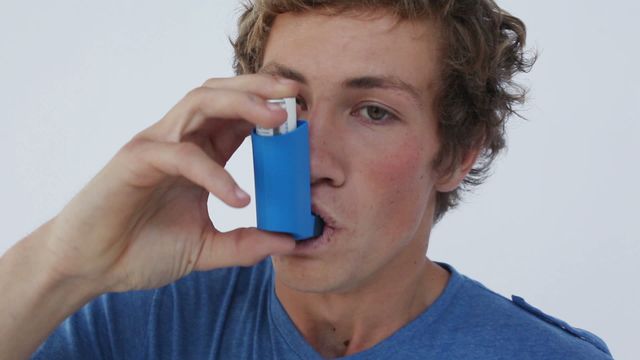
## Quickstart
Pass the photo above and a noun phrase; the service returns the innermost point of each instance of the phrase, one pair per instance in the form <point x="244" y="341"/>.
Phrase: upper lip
<point x="328" y="219"/>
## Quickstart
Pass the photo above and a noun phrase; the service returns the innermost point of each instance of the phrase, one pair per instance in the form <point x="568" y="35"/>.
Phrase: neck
<point x="347" y="322"/>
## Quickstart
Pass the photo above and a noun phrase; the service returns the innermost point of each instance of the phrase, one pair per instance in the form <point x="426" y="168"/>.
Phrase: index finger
<point x="263" y="85"/>
<point x="206" y="104"/>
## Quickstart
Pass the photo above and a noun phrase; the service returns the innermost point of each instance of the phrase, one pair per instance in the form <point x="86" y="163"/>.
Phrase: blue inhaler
<point x="282" y="174"/>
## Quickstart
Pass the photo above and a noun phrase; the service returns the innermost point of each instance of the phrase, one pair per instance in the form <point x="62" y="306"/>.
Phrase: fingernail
<point x="286" y="81"/>
<point x="274" y="106"/>
<point x="240" y="194"/>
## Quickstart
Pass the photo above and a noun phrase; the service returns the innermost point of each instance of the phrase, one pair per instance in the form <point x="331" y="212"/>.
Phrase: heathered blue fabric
<point x="234" y="314"/>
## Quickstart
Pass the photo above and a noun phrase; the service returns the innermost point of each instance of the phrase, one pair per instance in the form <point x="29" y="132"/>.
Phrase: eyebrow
<point x="362" y="82"/>
<point x="277" y="69"/>
<point x="383" y="82"/>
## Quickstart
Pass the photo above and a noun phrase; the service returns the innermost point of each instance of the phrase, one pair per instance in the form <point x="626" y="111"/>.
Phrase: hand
<point x="142" y="221"/>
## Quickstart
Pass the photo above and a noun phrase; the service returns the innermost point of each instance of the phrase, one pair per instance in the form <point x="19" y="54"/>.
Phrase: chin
<point x="307" y="275"/>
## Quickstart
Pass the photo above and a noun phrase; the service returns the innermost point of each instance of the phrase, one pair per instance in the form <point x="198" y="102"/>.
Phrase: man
<point x="406" y="102"/>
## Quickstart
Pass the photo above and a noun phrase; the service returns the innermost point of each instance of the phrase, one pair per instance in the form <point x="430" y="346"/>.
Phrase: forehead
<point x="333" y="47"/>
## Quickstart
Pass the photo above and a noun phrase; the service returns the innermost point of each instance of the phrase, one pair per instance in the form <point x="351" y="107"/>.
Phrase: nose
<point x="326" y="146"/>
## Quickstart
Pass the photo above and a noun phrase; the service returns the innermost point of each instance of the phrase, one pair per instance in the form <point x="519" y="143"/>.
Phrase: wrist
<point x="35" y="297"/>
<point x="46" y="268"/>
<point x="36" y="279"/>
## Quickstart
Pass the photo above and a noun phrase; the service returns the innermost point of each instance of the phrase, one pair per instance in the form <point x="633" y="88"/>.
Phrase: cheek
<point x="395" y="184"/>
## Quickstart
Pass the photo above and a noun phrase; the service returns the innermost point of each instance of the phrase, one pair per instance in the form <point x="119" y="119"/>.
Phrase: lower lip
<point x="316" y="244"/>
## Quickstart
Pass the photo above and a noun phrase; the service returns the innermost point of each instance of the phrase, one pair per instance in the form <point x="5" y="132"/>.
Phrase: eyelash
<point x="388" y="115"/>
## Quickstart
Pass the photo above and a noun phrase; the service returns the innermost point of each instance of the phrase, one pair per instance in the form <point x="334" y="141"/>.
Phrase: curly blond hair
<point x="483" y="50"/>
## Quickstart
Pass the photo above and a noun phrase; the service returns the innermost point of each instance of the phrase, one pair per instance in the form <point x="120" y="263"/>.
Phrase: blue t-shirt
<point x="234" y="313"/>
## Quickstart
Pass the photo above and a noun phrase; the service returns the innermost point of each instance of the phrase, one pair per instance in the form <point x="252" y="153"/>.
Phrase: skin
<point x="371" y="153"/>
<point x="142" y="221"/>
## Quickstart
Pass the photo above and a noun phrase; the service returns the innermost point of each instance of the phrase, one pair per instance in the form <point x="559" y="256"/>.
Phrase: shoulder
<point x="578" y="333"/>
<point x="519" y="327"/>
<point x="202" y="284"/>
<point x="205" y="289"/>
<point x="130" y="324"/>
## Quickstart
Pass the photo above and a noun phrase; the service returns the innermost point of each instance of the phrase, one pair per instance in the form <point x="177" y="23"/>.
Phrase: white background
<point x="555" y="224"/>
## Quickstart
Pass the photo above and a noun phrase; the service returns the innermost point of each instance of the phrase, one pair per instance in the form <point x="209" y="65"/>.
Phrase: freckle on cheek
<point x="396" y="178"/>
<point x="399" y="166"/>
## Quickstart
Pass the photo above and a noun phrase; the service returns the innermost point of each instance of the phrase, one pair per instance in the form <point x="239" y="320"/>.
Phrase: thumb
<point x="241" y="247"/>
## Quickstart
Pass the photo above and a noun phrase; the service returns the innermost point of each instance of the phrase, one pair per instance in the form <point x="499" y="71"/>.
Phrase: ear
<point x="451" y="180"/>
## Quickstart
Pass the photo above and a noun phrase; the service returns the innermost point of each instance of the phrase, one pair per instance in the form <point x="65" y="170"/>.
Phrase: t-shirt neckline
<point x="406" y="334"/>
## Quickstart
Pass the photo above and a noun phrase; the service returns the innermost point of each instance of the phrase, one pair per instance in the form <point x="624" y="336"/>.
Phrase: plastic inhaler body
<point x="283" y="183"/>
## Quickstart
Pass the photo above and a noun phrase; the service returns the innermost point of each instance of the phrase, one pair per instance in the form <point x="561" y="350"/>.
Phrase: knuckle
<point x="266" y="79"/>
<point x="252" y="98"/>
<point x="211" y="82"/>
<point x="134" y="147"/>
<point x="187" y="150"/>
<point x="139" y="155"/>
<point x="244" y="249"/>
<point x="208" y="99"/>
<point x="263" y="84"/>
<point x="197" y="94"/>
<point x="238" y="238"/>
<point x="196" y="99"/>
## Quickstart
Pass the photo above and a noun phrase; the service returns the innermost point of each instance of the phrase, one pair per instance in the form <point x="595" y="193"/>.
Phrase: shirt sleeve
<point x="112" y="326"/>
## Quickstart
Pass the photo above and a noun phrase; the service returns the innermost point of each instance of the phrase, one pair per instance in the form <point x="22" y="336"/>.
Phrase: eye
<point x="375" y="114"/>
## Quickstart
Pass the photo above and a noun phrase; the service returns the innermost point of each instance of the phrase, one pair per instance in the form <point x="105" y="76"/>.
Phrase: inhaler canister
<point x="282" y="175"/>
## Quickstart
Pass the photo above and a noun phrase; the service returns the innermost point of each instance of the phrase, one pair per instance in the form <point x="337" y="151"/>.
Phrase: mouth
<point x="326" y="217"/>
<point x="316" y="244"/>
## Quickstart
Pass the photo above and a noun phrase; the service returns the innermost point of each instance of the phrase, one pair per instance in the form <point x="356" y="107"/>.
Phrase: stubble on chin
<point x="297" y="275"/>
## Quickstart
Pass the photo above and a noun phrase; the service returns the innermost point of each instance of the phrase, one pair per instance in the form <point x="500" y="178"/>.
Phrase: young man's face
<point x="367" y="89"/>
